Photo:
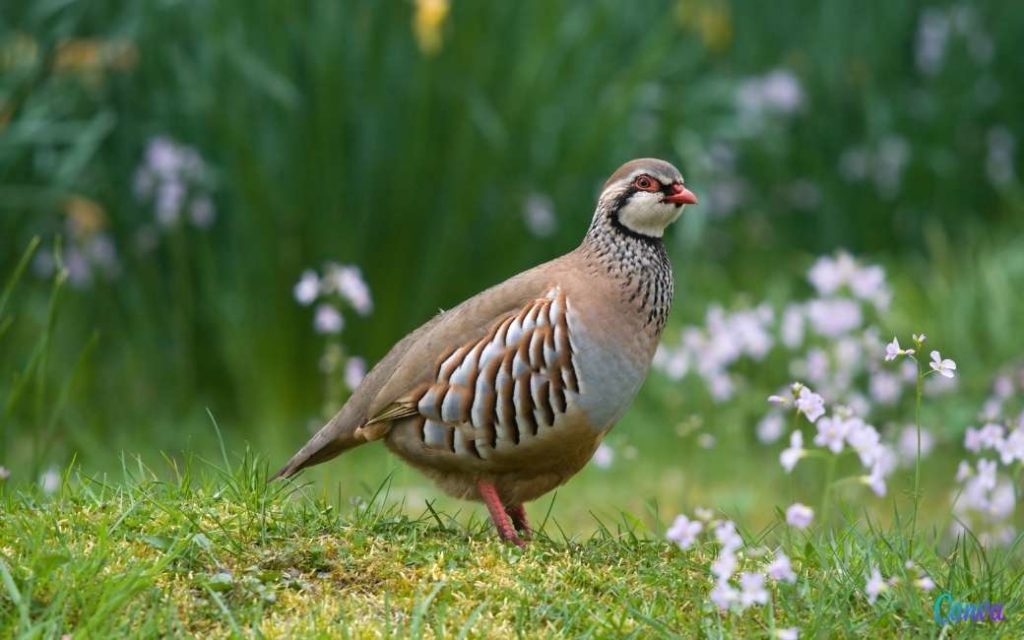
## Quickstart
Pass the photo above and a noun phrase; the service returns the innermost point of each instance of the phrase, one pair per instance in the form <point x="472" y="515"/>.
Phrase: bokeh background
<point x="183" y="165"/>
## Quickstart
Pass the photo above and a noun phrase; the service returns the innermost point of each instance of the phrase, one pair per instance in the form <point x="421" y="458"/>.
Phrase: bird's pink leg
<point x="518" y="515"/>
<point x="489" y="494"/>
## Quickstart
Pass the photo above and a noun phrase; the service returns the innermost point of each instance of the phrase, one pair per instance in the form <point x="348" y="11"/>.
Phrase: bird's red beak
<point x="681" y="195"/>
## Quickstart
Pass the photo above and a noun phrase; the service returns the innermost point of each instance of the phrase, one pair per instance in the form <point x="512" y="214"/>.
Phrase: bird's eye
<point x="645" y="183"/>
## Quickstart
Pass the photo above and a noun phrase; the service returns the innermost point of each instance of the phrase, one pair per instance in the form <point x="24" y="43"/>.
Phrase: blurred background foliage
<point x="443" y="147"/>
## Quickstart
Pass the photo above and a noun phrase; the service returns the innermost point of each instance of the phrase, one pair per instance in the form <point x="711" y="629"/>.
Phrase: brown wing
<point x="385" y="395"/>
<point x="501" y="388"/>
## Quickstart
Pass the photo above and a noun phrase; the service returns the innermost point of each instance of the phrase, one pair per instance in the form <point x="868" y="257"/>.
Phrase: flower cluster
<point x="845" y="428"/>
<point x="734" y="589"/>
<point x="834" y="433"/>
<point x="337" y="287"/>
<point x="710" y="350"/>
<point x="175" y="180"/>
<point x="827" y="339"/>
<point x="984" y="499"/>
<point x="339" y="283"/>
<point x="876" y="584"/>
<point x="833" y="347"/>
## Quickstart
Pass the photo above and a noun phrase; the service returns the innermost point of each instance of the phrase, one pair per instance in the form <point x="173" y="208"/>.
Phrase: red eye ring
<point x="645" y="183"/>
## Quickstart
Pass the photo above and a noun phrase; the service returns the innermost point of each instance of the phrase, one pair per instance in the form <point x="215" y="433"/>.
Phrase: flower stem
<point x="917" y="460"/>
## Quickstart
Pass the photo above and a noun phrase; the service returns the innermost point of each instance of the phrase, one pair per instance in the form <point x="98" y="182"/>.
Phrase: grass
<point x="212" y="550"/>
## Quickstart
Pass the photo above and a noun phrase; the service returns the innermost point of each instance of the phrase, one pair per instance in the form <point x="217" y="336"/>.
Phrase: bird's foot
<point x="518" y="514"/>
<point x="499" y="516"/>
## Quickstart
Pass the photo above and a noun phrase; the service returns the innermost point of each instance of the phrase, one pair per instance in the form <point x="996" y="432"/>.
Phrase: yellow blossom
<point x="86" y="216"/>
<point x="711" y="19"/>
<point x="427" y="24"/>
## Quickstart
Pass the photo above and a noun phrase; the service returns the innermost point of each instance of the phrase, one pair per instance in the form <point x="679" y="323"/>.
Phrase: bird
<point x="508" y="395"/>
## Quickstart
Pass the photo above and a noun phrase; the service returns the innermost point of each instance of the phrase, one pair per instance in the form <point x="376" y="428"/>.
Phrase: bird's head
<point x="644" y="196"/>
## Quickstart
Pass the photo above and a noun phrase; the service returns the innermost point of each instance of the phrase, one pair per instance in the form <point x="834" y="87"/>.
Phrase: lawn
<point x="212" y="550"/>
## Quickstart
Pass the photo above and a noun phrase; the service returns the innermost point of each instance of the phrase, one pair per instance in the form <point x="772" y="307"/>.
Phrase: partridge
<point x="508" y="395"/>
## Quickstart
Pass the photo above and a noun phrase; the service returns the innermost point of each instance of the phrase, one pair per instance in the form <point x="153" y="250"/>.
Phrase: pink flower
<point x="723" y="595"/>
<point x="355" y="371"/>
<point x="347" y="281"/>
<point x="876" y="480"/>
<point x="789" y="457"/>
<point x="963" y="471"/>
<point x="944" y="367"/>
<point x="1013" y="447"/>
<point x="684" y="531"/>
<point x="781" y="568"/>
<point x="307" y="288"/>
<point x="810" y="404"/>
<point x="799" y="515"/>
<point x="875" y="585"/>
<point x="924" y="583"/>
<point x="726" y="534"/>
<point x="831" y="433"/>
<point x="770" y="428"/>
<point x="885" y="387"/>
<point x="907" y="443"/>
<point x="752" y="590"/>
<point x="893" y="351"/>
<point x="603" y="456"/>
<point x="328" y="319"/>
<point x="833" y="317"/>
<point x="724" y="565"/>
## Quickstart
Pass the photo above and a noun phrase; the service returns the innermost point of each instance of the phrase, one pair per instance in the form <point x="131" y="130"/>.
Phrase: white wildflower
<point x="539" y="215"/>
<point x="752" y="589"/>
<point x="328" y="319"/>
<point x="924" y="583"/>
<point x="906" y="444"/>
<point x="831" y="433"/>
<point x="307" y="288"/>
<point x="347" y="281"/>
<point x="727" y="535"/>
<point x="603" y="456"/>
<point x="810" y="404"/>
<point x="723" y="595"/>
<point x="875" y="585"/>
<point x="834" y="317"/>
<point x="355" y="371"/>
<point x="1013" y="447"/>
<point x="49" y="481"/>
<point x="781" y="568"/>
<point x="893" y="351"/>
<point x="771" y="427"/>
<point x="944" y="367"/>
<point x="790" y="456"/>
<point x="876" y="479"/>
<point x="799" y="515"/>
<point x="684" y="531"/>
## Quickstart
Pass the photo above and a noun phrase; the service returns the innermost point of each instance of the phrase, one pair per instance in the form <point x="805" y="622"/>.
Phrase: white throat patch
<point x="646" y="214"/>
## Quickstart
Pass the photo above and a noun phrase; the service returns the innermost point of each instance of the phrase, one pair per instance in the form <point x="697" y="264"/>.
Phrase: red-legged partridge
<point x="507" y="395"/>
